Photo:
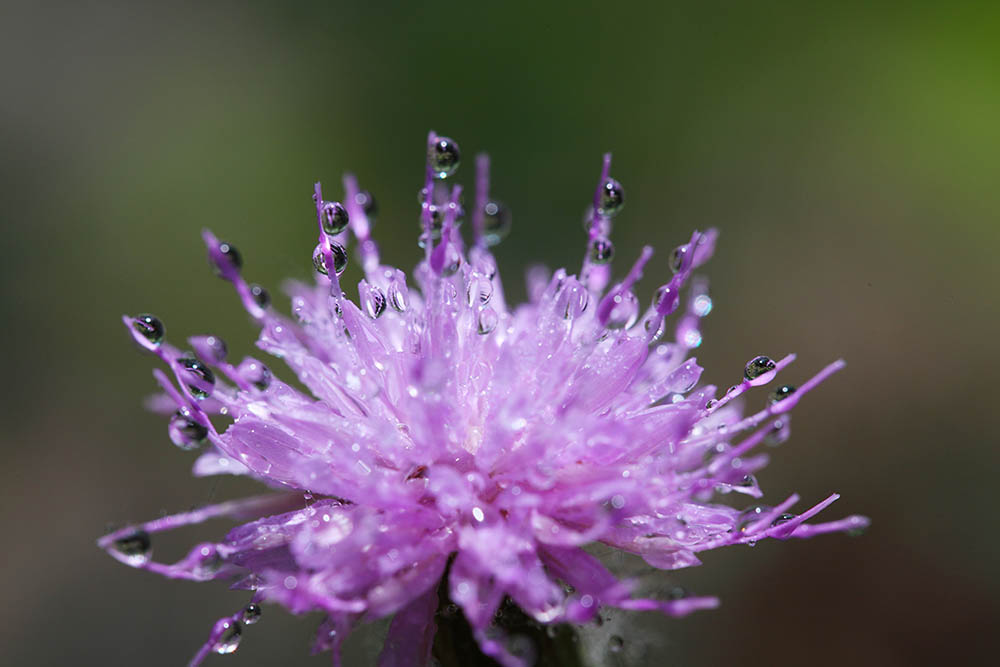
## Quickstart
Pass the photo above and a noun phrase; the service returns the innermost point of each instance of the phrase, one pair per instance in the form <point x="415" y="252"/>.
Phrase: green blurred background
<point x="849" y="156"/>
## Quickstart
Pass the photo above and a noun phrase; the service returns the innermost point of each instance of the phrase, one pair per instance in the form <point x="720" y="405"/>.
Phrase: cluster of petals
<point x="450" y="436"/>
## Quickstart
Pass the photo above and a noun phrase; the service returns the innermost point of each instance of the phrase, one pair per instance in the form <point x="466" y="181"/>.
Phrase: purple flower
<point x="448" y="434"/>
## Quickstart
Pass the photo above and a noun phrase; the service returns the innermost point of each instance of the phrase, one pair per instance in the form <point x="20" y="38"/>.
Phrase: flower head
<point x="449" y="434"/>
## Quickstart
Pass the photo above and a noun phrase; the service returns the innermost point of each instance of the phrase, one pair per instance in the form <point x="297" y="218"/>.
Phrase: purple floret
<point x="450" y="437"/>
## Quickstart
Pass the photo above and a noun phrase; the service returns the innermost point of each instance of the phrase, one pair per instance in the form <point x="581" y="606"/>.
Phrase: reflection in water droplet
<point x="784" y="518"/>
<point x="374" y="302"/>
<point x="260" y="296"/>
<point x="677" y="258"/>
<point x="184" y="432"/>
<point x="211" y="348"/>
<point x="228" y="633"/>
<point x="443" y="157"/>
<point x="781" y="393"/>
<point x="625" y="310"/>
<point x="759" y="370"/>
<point x="255" y="373"/>
<point x="335" y="218"/>
<point x="136" y="547"/>
<point x="612" y="197"/>
<point x="201" y="379"/>
<point x="487" y="321"/>
<point x="601" y="251"/>
<point x="339" y="258"/>
<point x="251" y="613"/>
<point x="479" y="292"/>
<point x="231" y="259"/>
<point x="150" y="330"/>
<point x="496" y="222"/>
<point x="397" y="296"/>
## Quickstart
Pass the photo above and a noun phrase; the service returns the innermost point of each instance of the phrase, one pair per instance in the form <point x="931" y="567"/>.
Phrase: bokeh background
<point x="849" y="155"/>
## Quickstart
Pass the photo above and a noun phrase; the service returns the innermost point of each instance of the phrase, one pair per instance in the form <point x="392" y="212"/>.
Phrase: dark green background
<point x="849" y="157"/>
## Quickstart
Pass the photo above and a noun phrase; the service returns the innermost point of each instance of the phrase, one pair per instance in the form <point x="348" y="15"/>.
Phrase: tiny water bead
<point x="781" y="393"/>
<point x="784" y="518"/>
<point x="255" y="373"/>
<point x="185" y="432"/>
<point x="260" y="296"/>
<point x="201" y="379"/>
<point x="601" y="251"/>
<point x="616" y="644"/>
<point x="624" y="310"/>
<point x="339" y="258"/>
<point x="677" y="258"/>
<point x="230" y="259"/>
<point x="251" y="613"/>
<point x="759" y="370"/>
<point x="136" y="547"/>
<point x="335" y="218"/>
<point x="487" y="321"/>
<point x="612" y="197"/>
<point x="443" y="157"/>
<point x="367" y="202"/>
<point x="496" y="222"/>
<point x="479" y="292"/>
<point x="374" y="302"/>
<point x="150" y="328"/>
<point x="228" y="633"/>
<point x="397" y="296"/>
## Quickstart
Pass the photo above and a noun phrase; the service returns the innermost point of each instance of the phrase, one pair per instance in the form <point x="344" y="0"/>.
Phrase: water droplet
<point x="136" y="547"/>
<point x="260" y="296"/>
<point x="710" y="404"/>
<point x="654" y="325"/>
<point x="374" y="302"/>
<point x="211" y="348"/>
<point x="397" y="296"/>
<point x="625" y="310"/>
<point x="436" y="215"/>
<point x="487" y="321"/>
<point x="601" y="251"/>
<point x="479" y="292"/>
<point x="677" y="258"/>
<point x="496" y="222"/>
<point x="149" y="330"/>
<point x="443" y="157"/>
<point x="366" y="201"/>
<point x="228" y="633"/>
<point x="784" y="518"/>
<point x="759" y="370"/>
<point x="251" y="613"/>
<point x="201" y="379"/>
<point x="452" y="260"/>
<point x="665" y="299"/>
<point x="255" y="373"/>
<point x="207" y="559"/>
<point x="231" y="260"/>
<point x="612" y="197"/>
<point x="335" y="218"/>
<point x="184" y="432"/>
<point x="572" y="300"/>
<point x="616" y="644"/>
<point x="339" y="258"/>
<point x="781" y="393"/>
<point x="748" y="481"/>
<point x="780" y="431"/>
<point x="749" y="516"/>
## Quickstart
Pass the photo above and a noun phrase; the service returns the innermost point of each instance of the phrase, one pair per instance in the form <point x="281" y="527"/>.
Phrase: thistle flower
<point x="455" y="443"/>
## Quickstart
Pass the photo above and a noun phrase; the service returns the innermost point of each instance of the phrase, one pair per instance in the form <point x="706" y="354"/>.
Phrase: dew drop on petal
<point x="759" y="370"/>
<point x="601" y="251"/>
<point x="251" y="613"/>
<point x="496" y="222"/>
<point x="487" y="321"/>
<point x="260" y="296"/>
<point x="781" y="393"/>
<point x="255" y="373"/>
<point x="149" y="330"/>
<point x="624" y="311"/>
<point x="335" y="218"/>
<point x="374" y="302"/>
<point x="479" y="292"/>
<point x="677" y="258"/>
<point x="185" y="432"/>
<point x="230" y="260"/>
<point x="228" y="633"/>
<point x="784" y="518"/>
<point x="339" y="258"/>
<point x="136" y="547"/>
<point x="398" y="296"/>
<point x="201" y="379"/>
<point x="212" y="348"/>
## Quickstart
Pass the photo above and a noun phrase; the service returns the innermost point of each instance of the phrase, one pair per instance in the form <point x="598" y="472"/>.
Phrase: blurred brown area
<point x="849" y="157"/>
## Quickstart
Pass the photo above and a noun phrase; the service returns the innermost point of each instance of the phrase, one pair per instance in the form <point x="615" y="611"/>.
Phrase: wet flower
<point x="453" y="442"/>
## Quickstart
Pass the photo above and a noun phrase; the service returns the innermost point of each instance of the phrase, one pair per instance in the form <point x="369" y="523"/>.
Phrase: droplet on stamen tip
<point x="665" y="299"/>
<point x="339" y="258"/>
<point x="374" y="302"/>
<point x="335" y="218"/>
<point x="255" y="373"/>
<point x="784" y="518"/>
<point x="654" y="325"/>
<point x="612" y="197"/>
<point x="228" y="633"/>
<point x="184" y="432"/>
<point x="148" y="330"/>
<point x="479" y="292"/>
<point x="201" y="379"/>
<point x="624" y="311"/>
<point x="601" y="251"/>
<point x="251" y="613"/>
<point x="230" y="256"/>
<point x="443" y="156"/>
<point x="781" y="393"/>
<point x="759" y="370"/>
<point x="452" y="260"/>
<point x="496" y="222"/>
<point x="136" y="547"/>
<point x="260" y="296"/>
<point x="487" y="321"/>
